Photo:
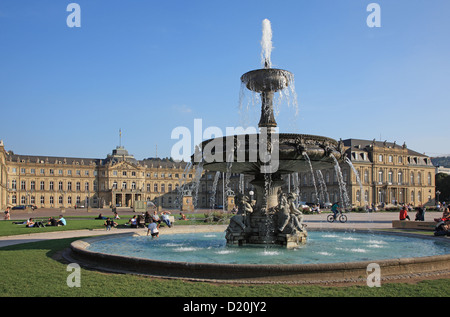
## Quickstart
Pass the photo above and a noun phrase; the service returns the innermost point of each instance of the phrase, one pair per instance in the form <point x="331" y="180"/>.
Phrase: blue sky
<point x="147" y="67"/>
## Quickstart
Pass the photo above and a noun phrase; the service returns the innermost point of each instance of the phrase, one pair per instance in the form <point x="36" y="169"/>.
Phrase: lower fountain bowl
<point x="295" y="151"/>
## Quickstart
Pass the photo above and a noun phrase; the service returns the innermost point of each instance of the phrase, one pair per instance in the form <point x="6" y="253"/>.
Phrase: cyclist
<point x="335" y="208"/>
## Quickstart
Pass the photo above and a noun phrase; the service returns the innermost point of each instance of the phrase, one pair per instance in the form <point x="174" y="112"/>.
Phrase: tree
<point x="443" y="185"/>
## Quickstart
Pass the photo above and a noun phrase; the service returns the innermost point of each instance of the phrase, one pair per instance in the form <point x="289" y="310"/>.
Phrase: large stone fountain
<point x="272" y="218"/>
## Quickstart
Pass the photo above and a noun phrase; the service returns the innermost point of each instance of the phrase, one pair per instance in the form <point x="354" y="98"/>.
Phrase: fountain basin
<point x="274" y="267"/>
<point x="267" y="79"/>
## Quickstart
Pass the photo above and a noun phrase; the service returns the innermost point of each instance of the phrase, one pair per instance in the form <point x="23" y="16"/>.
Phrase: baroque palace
<point x="387" y="173"/>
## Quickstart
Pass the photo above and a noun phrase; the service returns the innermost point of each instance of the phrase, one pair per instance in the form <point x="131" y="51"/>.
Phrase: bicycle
<point x="339" y="216"/>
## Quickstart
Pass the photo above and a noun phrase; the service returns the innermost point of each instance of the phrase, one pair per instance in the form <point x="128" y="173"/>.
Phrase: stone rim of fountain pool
<point x="344" y="272"/>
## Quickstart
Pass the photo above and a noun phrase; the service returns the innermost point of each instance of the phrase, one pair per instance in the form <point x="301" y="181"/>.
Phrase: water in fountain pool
<point x="322" y="247"/>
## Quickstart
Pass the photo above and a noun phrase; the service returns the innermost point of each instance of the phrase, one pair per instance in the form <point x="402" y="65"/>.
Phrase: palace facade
<point x="385" y="173"/>
<point x="376" y="173"/>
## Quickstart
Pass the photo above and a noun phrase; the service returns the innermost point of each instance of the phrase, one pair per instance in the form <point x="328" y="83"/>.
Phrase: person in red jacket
<point x="404" y="213"/>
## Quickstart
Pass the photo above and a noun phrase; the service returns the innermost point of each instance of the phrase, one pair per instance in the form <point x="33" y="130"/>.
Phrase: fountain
<point x="273" y="220"/>
<point x="267" y="155"/>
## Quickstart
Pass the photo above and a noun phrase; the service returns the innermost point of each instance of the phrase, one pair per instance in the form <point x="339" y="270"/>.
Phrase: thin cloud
<point x="182" y="108"/>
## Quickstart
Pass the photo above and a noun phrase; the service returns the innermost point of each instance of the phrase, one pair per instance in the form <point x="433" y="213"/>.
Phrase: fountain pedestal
<point x="273" y="219"/>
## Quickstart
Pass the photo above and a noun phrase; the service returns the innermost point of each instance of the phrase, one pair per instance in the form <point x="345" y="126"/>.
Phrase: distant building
<point x="442" y="169"/>
<point x="388" y="174"/>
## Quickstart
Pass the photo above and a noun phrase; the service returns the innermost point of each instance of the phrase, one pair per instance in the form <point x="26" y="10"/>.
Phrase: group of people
<point x="152" y="222"/>
<point x="31" y="223"/>
<point x="443" y="223"/>
<point x="420" y="214"/>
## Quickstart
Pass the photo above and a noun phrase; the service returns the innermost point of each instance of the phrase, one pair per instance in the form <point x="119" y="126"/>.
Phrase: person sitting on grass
<point x="31" y="223"/>
<point x="133" y="222"/>
<point x="109" y="223"/>
<point x="165" y="218"/>
<point x="61" y="221"/>
<point x="52" y="222"/>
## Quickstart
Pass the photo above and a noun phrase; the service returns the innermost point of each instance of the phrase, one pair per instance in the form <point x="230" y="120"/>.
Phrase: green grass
<point x="30" y="270"/>
<point x="8" y="228"/>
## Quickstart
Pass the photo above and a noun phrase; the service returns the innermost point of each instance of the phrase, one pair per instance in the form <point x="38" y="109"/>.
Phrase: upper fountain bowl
<point x="267" y="79"/>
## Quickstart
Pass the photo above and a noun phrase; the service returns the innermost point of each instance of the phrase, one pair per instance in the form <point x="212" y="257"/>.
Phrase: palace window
<point x="380" y="176"/>
<point x="42" y="199"/>
<point x="78" y="186"/>
<point x="33" y="185"/>
<point x="124" y="185"/>
<point x="69" y="185"/>
<point x="42" y="186"/>
<point x="51" y="186"/>
<point x="23" y="185"/>
<point x="60" y="185"/>
<point x="14" y="184"/>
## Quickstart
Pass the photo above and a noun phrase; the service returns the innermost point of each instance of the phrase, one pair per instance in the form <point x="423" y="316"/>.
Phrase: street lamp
<point x="437" y="194"/>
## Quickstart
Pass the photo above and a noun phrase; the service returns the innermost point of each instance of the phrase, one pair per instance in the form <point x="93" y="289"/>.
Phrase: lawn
<point x="8" y="228"/>
<point x="32" y="270"/>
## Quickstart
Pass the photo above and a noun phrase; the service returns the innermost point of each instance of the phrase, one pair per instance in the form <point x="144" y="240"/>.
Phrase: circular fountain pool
<point x="328" y="255"/>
